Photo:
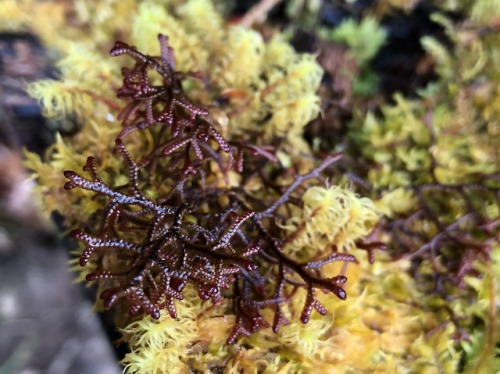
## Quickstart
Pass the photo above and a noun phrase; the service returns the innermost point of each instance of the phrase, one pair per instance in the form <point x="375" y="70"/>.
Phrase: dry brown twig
<point x="258" y="12"/>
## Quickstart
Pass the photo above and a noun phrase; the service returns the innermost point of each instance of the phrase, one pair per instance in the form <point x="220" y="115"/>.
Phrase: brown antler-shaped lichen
<point x="451" y="245"/>
<point x="224" y="241"/>
<point x="164" y="105"/>
<point x="443" y="201"/>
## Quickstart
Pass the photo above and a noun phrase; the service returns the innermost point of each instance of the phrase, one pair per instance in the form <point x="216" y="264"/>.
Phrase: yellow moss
<point x="482" y="348"/>
<point x="20" y="15"/>
<point x="485" y="11"/>
<point x="435" y="352"/>
<point x="200" y="17"/>
<point x="162" y="346"/>
<point x="240" y="62"/>
<point x="331" y="216"/>
<point x="289" y="118"/>
<point x="397" y="201"/>
<point x="58" y="99"/>
<point x="307" y="340"/>
<point x="278" y="53"/>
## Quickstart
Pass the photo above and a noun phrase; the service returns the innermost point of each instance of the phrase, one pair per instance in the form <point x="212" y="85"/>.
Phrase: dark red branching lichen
<point x="450" y="242"/>
<point x="223" y="241"/>
<point x="451" y="226"/>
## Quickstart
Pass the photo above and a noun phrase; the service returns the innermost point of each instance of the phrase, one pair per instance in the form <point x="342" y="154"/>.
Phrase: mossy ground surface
<point x="425" y="163"/>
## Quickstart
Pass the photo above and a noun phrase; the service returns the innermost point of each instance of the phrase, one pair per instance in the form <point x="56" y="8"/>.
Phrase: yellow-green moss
<point x="447" y="137"/>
